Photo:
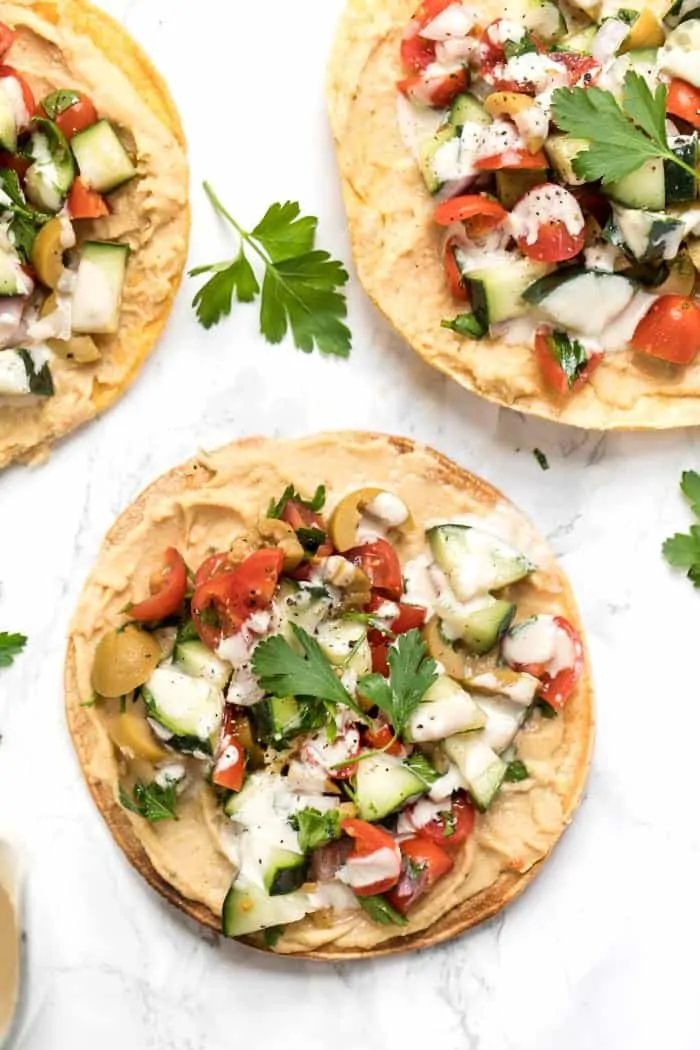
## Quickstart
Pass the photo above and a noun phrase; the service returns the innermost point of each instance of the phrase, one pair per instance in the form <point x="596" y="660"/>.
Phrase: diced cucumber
<point x="22" y="376"/>
<point x="481" y="768"/>
<point x="681" y="185"/>
<point x="502" y="681"/>
<point x="466" y="109"/>
<point x="580" y="41"/>
<point x="13" y="280"/>
<point x="50" y="176"/>
<point x="544" y="18"/>
<point x="496" y="291"/>
<point x="503" y="720"/>
<point x="643" y="188"/>
<point x="445" y="709"/>
<point x="561" y="150"/>
<point x="8" y="113"/>
<point x="383" y="784"/>
<point x="97" y="297"/>
<point x="679" y="55"/>
<point x="304" y="606"/>
<point x="277" y="718"/>
<point x="284" y="871"/>
<point x="648" y="236"/>
<point x="511" y="185"/>
<point x="247" y="908"/>
<point x="426" y="155"/>
<point x="194" y="658"/>
<point x="585" y="301"/>
<point x="344" y="643"/>
<point x="188" y="707"/>
<point x="103" y="162"/>
<point x="486" y="623"/>
<point x="474" y="561"/>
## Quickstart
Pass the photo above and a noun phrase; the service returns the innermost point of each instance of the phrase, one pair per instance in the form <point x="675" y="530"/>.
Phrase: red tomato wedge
<point x="549" y="212"/>
<point x="84" y="203"/>
<point x="381" y="738"/>
<point x="14" y="162"/>
<point x="479" y="212"/>
<point x="380" y="562"/>
<point x="583" y="70"/>
<point x="670" y="330"/>
<point x="169" y="592"/>
<point x="380" y="658"/>
<point x="301" y="517"/>
<point x="684" y="101"/>
<point x="557" y="688"/>
<point x="453" y="273"/>
<point x="553" y="374"/>
<point x="27" y="93"/>
<point x="424" y="862"/>
<point x="371" y="839"/>
<point x="82" y="114"/>
<point x="212" y="566"/>
<point x="455" y="826"/>
<point x="407" y="617"/>
<point x="228" y="598"/>
<point x="553" y="243"/>
<point x="7" y="38"/>
<point x="429" y="10"/>
<point x="436" y="91"/>
<point x="416" y="52"/>
<point x="229" y="767"/>
<point x="514" y="160"/>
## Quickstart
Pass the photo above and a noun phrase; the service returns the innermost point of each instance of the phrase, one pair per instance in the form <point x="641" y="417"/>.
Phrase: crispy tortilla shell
<point x="397" y="246"/>
<point x="70" y="43"/>
<point x="203" y="505"/>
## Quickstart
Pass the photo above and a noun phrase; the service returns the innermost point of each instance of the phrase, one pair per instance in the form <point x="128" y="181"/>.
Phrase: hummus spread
<point x="70" y="44"/>
<point x="9" y="949"/>
<point x="202" y="507"/>
<point x="397" y="248"/>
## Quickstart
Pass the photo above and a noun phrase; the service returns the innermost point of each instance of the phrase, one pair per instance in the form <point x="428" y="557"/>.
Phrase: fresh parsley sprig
<point x="304" y="671"/>
<point x="682" y="550"/>
<point x="11" y="645"/>
<point x="411" y="673"/>
<point x="314" y="828"/>
<point x="380" y="911"/>
<point x="622" y="137"/>
<point x="300" y="285"/>
<point x="151" y="801"/>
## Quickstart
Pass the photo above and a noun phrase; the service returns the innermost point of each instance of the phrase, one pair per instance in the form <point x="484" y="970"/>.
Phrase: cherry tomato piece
<point x="551" y="370"/>
<point x="514" y="160"/>
<point x="233" y="596"/>
<point x="84" y="203"/>
<point x="7" y="39"/>
<point x="670" y="330"/>
<point x="454" y="274"/>
<point x="684" y="101"/>
<point x="229" y="767"/>
<point x="80" y="115"/>
<point x="27" y="93"/>
<point x="455" y="826"/>
<point x="424" y="862"/>
<point x="436" y="91"/>
<point x="370" y="839"/>
<point x="380" y="562"/>
<point x="170" y="593"/>
<point x="479" y="212"/>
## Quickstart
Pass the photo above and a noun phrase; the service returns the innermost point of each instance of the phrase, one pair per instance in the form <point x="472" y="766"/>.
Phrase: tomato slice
<point x="684" y="101"/>
<point x="436" y="91"/>
<point x="168" y="593"/>
<point x="14" y="162"/>
<point x="478" y="211"/>
<point x="429" y="10"/>
<point x="583" y="70"/>
<point x="554" y="243"/>
<point x="557" y="688"/>
<point x="417" y="53"/>
<point x="670" y="330"/>
<point x="229" y="767"/>
<point x="230" y="597"/>
<point x="84" y="203"/>
<point x="370" y="839"/>
<point x="80" y="115"/>
<point x="455" y="826"/>
<point x="301" y="517"/>
<point x="553" y="374"/>
<point x="514" y="160"/>
<point x="407" y="617"/>
<point x="27" y="93"/>
<point x="380" y="562"/>
<point x="453" y="273"/>
<point x="380" y="737"/>
<point x="7" y="39"/>
<point x="424" y="862"/>
<point x="212" y="566"/>
<point x="380" y="658"/>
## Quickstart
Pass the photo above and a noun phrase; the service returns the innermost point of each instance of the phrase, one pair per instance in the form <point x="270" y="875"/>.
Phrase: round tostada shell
<point x="397" y="250"/>
<point x="71" y="44"/>
<point x="210" y="498"/>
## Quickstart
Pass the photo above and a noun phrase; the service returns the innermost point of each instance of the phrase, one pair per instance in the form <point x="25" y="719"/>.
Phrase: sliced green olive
<point x="124" y="660"/>
<point x="346" y="517"/>
<point x="131" y="734"/>
<point x="283" y="536"/>
<point x="442" y="651"/>
<point x="47" y="253"/>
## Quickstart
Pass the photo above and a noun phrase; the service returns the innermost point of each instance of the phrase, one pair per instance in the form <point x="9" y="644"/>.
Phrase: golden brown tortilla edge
<point x="579" y="720"/>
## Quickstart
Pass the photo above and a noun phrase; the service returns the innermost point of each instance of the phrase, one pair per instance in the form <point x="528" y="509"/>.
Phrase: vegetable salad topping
<point x="563" y="162"/>
<point x="353" y="715"/>
<point x="60" y="291"/>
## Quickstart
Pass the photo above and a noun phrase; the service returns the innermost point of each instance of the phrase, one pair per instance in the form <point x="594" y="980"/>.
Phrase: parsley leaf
<point x="271" y="935"/>
<point x="621" y="137"/>
<point x="316" y="503"/>
<point x="59" y="101"/>
<point x="300" y="286"/>
<point x="515" y="771"/>
<point x="690" y="487"/>
<point x="315" y="829"/>
<point x="421" y="766"/>
<point x="571" y="356"/>
<point x="283" y="671"/>
<point x="380" y="911"/>
<point x="411" y="673"/>
<point x="11" y="645"/>
<point x="25" y="220"/>
<point x="151" y="801"/>
<point x="468" y="325"/>
<point x="682" y="550"/>
<point x="311" y="539"/>
<point x="541" y="458"/>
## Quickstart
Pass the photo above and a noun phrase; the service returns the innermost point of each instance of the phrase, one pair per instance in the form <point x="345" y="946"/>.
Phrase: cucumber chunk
<point x="194" y="658"/>
<point x="247" y="908"/>
<point x="23" y="376"/>
<point x="344" y="643"/>
<point x="284" y="871"/>
<point x="496" y="291"/>
<point x="304" y="606"/>
<point x="502" y="681"/>
<point x="643" y="188"/>
<point x="382" y="785"/>
<point x="584" y="301"/>
<point x="188" y="707"/>
<point x="503" y="720"/>
<point x="50" y="176"/>
<point x="481" y="768"/>
<point x="486" y="623"/>
<point x="426" y="155"/>
<point x="466" y="109"/>
<point x="648" y="236"/>
<point x="445" y="709"/>
<point x="277" y="718"/>
<point x="475" y="561"/>
<point x="97" y="297"/>
<point x="681" y="185"/>
<point x="562" y="150"/>
<point x="103" y="162"/>
<point x="10" y="102"/>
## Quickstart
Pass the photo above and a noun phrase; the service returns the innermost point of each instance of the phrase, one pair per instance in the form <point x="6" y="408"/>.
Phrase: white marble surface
<point x="601" y="952"/>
